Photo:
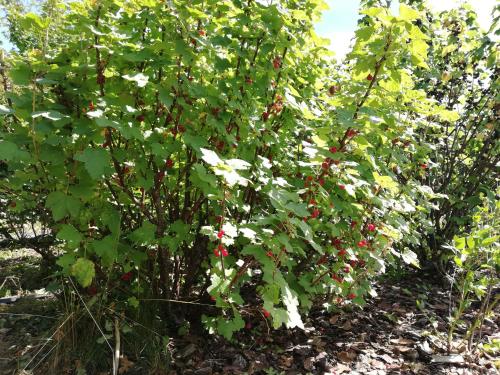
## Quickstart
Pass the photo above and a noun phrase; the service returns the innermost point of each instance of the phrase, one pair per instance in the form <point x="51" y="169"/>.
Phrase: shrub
<point x="210" y="151"/>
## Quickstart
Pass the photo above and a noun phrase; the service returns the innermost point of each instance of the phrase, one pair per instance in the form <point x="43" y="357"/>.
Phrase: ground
<point x="393" y="334"/>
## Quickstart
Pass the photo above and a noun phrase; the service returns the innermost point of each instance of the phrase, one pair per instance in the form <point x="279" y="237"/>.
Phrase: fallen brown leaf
<point x="333" y="319"/>
<point x="308" y="363"/>
<point x="402" y="341"/>
<point x="387" y="358"/>
<point x="347" y="356"/>
<point x="125" y="365"/>
<point x="340" y="369"/>
<point x="377" y="364"/>
<point x="347" y="326"/>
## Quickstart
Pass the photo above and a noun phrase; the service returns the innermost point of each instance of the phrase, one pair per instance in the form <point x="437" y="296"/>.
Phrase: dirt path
<point x="390" y="336"/>
<point x="401" y="331"/>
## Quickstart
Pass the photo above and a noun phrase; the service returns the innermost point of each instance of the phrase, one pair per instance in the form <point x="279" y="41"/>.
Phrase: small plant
<point x="476" y="275"/>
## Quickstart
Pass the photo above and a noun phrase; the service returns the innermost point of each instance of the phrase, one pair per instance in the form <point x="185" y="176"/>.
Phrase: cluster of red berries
<point x="274" y="108"/>
<point x="220" y="249"/>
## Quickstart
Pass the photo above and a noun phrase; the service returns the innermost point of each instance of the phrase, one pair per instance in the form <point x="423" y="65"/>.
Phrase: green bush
<point x="198" y="151"/>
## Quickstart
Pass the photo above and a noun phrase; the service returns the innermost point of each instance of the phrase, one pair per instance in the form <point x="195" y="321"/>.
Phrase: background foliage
<point x="211" y="153"/>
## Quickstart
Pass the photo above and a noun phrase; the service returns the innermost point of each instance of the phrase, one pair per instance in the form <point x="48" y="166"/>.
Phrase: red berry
<point x="270" y="254"/>
<point x="371" y="227"/>
<point x="337" y="242"/>
<point x="353" y="223"/>
<point x="309" y="178"/>
<point x="321" y="182"/>
<point x="181" y="128"/>
<point x="342" y="253"/>
<point x="325" y="165"/>
<point x="369" y="77"/>
<point x="266" y="313"/>
<point x="312" y="202"/>
<point x="341" y="187"/>
<point x="220" y="234"/>
<point x="362" y="243"/>
<point x="126" y="276"/>
<point x="91" y="106"/>
<point x="170" y="163"/>
<point x="351" y="133"/>
<point x="224" y="252"/>
<point x="351" y="296"/>
<point x="333" y="89"/>
<point x="347" y="269"/>
<point x="315" y="213"/>
<point x="216" y="252"/>
<point x="277" y="62"/>
<point x="265" y="116"/>
<point x="201" y="32"/>
<point x="248" y="81"/>
<point x="333" y="149"/>
<point x="353" y="263"/>
<point x="337" y="278"/>
<point x="140" y="118"/>
<point x="423" y="166"/>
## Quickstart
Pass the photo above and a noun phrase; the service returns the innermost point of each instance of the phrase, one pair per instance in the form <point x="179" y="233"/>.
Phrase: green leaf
<point x="144" y="234"/>
<point x="4" y="110"/>
<point x="97" y="162"/>
<point x="62" y="205"/>
<point x="226" y="327"/>
<point x="65" y="261"/>
<point x="106" y="249"/>
<point x="84" y="271"/>
<point x="408" y="14"/>
<point x="10" y="151"/>
<point x="49" y="115"/>
<point x="70" y="235"/>
<point x="133" y="302"/>
<point x="138" y="78"/>
<point x="410" y="257"/>
<point x="291" y="302"/>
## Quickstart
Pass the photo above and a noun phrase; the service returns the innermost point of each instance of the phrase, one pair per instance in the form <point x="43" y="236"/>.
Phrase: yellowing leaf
<point x="84" y="271"/>
<point x="386" y="182"/>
